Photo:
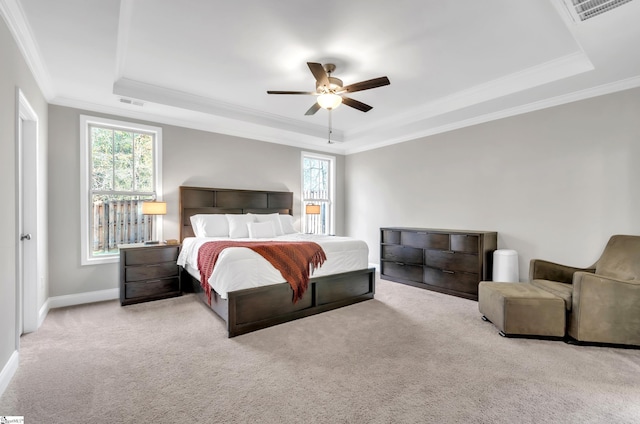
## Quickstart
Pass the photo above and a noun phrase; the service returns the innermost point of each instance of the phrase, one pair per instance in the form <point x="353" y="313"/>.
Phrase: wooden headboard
<point x="195" y="200"/>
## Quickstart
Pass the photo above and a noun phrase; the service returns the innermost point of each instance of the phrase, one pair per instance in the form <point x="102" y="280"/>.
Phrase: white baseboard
<point x="75" y="299"/>
<point x="82" y="298"/>
<point x="8" y="371"/>
<point x="42" y="314"/>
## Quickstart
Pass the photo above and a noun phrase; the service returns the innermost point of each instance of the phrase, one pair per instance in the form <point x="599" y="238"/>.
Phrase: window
<point x="120" y="168"/>
<point x="318" y="186"/>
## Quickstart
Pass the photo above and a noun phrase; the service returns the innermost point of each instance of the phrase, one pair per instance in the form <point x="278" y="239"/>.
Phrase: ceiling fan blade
<point x="356" y="104"/>
<point x="319" y="73"/>
<point x="366" y="85"/>
<point x="313" y="109"/>
<point x="290" y="92"/>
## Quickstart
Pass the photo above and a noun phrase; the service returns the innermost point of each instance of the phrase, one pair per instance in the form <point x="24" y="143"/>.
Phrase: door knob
<point x="25" y="237"/>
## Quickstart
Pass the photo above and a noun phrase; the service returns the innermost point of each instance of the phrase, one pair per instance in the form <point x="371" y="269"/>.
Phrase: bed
<point x="268" y="300"/>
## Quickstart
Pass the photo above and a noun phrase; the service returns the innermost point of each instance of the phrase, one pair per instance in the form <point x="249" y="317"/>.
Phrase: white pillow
<point x="286" y="221"/>
<point x="210" y="225"/>
<point x="238" y="225"/>
<point x="261" y="229"/>
<point x="272" y="217"/>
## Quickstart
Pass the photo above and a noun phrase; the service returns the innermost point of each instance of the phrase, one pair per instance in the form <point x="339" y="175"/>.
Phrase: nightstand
<point x="148" y="272"/>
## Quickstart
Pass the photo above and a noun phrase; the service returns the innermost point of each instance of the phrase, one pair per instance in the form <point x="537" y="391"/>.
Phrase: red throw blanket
<point x="292" y="258"/>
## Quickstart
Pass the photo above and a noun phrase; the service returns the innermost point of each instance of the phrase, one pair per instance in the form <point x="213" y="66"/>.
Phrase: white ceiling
<point x="208" y="64"/>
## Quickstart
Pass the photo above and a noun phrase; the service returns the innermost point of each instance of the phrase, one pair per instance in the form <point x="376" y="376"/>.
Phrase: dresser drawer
<point x="457" y="281"/>
<point x="452" y="261"/>
<point x="424" y="240"/>
<point x="149" y="272"/>
<point x="398" y="270"/>
<point x="464" y="243"/>
<point x="150" y="255"/>
<point x="390" y="236"/>
<point x="403" y="254"/>
<point x="157" y="287"/>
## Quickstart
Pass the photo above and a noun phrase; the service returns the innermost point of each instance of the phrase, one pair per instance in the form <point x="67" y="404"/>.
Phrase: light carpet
<point x="408" y="356"/>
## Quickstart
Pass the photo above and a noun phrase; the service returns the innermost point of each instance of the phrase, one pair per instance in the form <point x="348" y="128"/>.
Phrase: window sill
<point x="111" y="259"/>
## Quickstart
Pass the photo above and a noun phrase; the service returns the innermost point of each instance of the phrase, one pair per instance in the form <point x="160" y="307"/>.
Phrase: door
<point x="26" y="217"/>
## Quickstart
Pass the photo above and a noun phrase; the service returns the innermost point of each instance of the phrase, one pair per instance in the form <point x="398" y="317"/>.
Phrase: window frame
<point x="86" y="121"/>
<point x="332" y="191"/>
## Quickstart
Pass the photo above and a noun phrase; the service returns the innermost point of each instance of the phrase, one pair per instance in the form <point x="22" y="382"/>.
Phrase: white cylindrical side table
<point x="505" y="266"/>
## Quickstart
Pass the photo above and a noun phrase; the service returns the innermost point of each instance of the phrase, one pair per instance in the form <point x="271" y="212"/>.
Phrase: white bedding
<point x="241" y="268"/>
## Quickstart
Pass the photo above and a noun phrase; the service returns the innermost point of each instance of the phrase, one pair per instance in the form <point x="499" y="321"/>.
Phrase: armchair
<point x="602" y="301"/>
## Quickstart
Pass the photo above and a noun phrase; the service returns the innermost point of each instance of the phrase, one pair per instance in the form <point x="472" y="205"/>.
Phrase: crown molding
<point x="291" y="138"/>
<point x="562" y="67"/>
<point x="621" y="85"/>
<point x="565" y="66"/>
<point x="14" y="17"/>
<point x="213" y="124"/>
<point x="164" y="96"/>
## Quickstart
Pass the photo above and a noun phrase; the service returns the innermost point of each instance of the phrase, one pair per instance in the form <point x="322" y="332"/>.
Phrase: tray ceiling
<point x="208" y="65"/>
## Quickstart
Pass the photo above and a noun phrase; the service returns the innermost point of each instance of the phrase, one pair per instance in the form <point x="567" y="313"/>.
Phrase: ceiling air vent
<point x="586" y="9"/>
<point x="131" y="101"/>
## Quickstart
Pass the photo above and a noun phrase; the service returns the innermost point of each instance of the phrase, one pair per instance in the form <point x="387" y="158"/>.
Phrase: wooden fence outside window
<point x="119" y="222"/>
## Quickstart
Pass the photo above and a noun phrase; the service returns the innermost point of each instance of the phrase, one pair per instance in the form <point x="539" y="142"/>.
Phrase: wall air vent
<point x="581" y="10"/>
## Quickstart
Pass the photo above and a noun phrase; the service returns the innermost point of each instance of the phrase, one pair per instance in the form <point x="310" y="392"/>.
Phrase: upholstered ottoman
<point x="521" y="309"/>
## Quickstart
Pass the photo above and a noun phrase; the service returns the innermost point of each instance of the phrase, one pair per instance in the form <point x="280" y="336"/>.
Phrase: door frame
<point x="26" y="217"/>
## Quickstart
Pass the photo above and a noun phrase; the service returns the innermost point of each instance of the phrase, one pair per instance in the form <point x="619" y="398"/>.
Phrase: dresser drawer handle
<point x="447" y="271"/>
<point x="451" y="252"/>
<point x="400" y="263"/>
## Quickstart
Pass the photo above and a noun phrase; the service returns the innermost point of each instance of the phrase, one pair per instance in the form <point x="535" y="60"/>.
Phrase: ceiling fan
<point x="331" y="92"/>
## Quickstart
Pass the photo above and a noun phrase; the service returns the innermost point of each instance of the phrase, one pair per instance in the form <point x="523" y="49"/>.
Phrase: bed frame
<point x="261" y="307"/>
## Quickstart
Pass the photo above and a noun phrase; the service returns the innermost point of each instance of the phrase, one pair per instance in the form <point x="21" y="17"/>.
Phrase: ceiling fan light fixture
<point x="329" y="101"/>
<point x="331" y="92"/>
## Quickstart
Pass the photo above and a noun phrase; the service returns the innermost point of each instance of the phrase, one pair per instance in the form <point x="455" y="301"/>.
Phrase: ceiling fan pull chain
<point x="330" y="131"/>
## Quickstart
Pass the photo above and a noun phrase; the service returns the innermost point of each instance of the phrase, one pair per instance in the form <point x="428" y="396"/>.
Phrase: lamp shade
<point x="312" y="209"/>
<point x="329" y="101"/>
<point x="154" y="208"/>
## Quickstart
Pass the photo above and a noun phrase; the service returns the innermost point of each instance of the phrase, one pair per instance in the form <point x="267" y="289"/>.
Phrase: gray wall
<point x="190" y="157"/>
<point x="554" y="184"/>
<point x="14" y="73"/>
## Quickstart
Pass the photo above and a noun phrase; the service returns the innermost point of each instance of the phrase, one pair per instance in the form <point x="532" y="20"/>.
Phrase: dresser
<point x="447" y="261"/>
<point x="148" y="272"/>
